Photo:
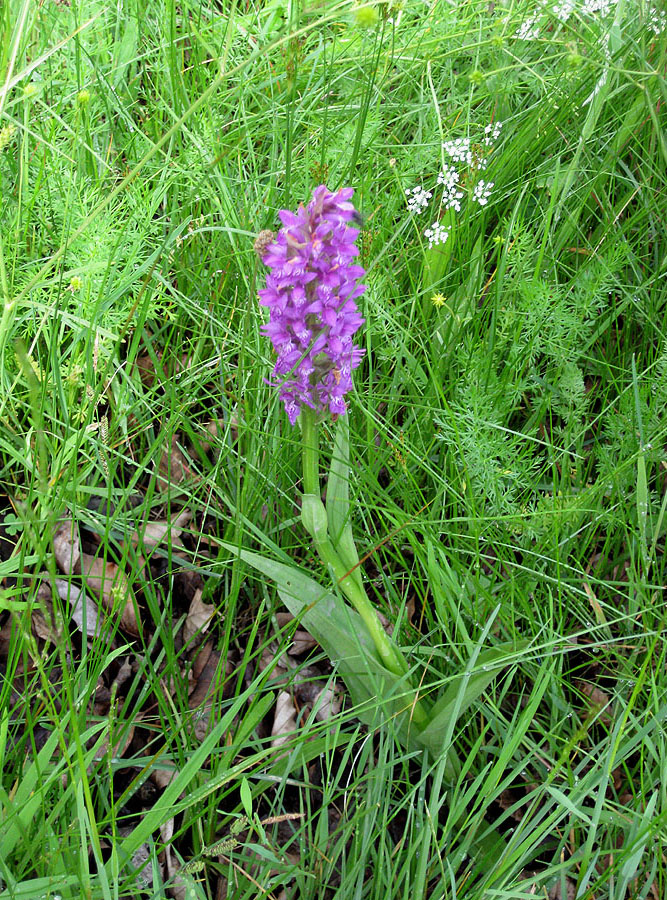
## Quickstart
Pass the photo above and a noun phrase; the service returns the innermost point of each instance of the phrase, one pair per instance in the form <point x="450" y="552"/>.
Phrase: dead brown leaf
<point x="214" y="428"/>
<point x="5" y="639"/>
<point x="104" y="578"/>
<point x="45" y="631"/>
<point x="66" y="546"/>
<point x="107" y="580"/>
<point x="77" y="600"/>
<point x="145" y="366"/>
<point x="386" y="624"/>
<point x="119" y="747"/>
<point x="598" y="700"/>
<point x="205" y="672"/>
<point x="198" y="618"/>
<point x="140" y="860"/>
<point x="284" y="720"/>
<point x="302" y="640"/>
<point x="178" y="889"/>
<point x="162" y="778"/>
<point x="327" y="703"/>
<point x="202" y="656"/>
<point x="173" y="467"/>
<point x="154" y="533"/>
<point x="556" y="892"/>
<point x="278" y="663"/>
<point x="208" y="681"/>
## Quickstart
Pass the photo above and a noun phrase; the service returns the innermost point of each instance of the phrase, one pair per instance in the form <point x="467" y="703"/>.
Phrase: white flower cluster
<point x="417" y="198"/>
<point x="482" y="191"/>
<point x="564" y="9"/>
<point x="459" y="150"/>
<point x="436" y="234"/>
<point x="492" y="133"/>
<point x="528" y="30"/>
<point x="451" y="196"/>
<point x="657" y="21"/>
<point x="463" y="151"/>
<point x="604" y="7"/>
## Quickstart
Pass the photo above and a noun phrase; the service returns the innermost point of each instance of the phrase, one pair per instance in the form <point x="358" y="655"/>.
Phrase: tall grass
<point x="507" y="432"/>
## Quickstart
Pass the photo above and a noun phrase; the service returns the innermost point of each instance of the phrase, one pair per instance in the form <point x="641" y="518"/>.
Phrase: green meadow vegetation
<point x="167" y="729"/>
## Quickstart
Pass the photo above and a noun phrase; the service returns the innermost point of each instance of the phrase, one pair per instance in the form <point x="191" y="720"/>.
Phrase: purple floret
<point x="310" y="292"/>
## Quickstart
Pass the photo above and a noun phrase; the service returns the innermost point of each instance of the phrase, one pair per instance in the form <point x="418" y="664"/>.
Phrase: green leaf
<point x="378" y="694"/>
<point x="246" y="797"/>
<point x="338" y="500"/>
<point x="314" y="517"/>
<point x="636" y="839"/>
<point x="48" y="888"/>
<point x="168" y="805"/>
<point x="464" y="689"/>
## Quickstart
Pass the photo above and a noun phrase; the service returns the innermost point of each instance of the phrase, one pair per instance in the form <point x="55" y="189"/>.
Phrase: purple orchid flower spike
<point x="310" y="292"/>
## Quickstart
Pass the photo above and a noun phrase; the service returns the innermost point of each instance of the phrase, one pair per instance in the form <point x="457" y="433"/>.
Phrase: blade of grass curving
<point x="464" y="689"/>
<point x="164" y="810"/>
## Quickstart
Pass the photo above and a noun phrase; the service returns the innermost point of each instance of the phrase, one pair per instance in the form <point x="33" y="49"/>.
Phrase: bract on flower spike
<point x="310" y="293"/>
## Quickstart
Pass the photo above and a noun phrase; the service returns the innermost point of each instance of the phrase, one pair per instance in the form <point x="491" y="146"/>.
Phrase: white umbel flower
<point x="482" y="191"/>
<point x="417" y="198"/>
<point x="459" y="150"/>
<point x="604" y="7"/>
<point x="528" y="30"/>
<point x="657" y="21"/>
<point x="564" y="9"/>
<point x="436" y="234"/>
<point x="451" y="196"/>
<point x="492" y="133"/>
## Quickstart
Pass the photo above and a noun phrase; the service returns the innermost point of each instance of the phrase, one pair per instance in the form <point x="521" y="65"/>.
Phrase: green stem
<point x="310" y="452"/>
<point x="389" y="653"/>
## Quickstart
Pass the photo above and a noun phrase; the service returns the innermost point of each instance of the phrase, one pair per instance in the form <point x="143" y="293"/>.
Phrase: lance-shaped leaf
<point x="378" y="694"/>
<point x="464" y="689"/>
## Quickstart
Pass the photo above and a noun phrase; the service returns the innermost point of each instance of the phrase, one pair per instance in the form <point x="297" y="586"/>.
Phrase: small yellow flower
<point x="83" y="98"/>
<point x="75" y="283"/>
<point x="438" y="300"/>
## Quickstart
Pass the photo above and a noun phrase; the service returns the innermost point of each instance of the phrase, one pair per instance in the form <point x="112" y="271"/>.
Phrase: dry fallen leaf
<point x="327" y="703"/>
<point x="78" y="600"/>
<point x="145" y="366"/>
<point x="556" y="892"/>
<point x="104" y="578"/>
<point x="5" y="639"/>
<point x="279" y="664"/>
<point x="66" y="546"/>
<point x="120" y="746"/>
<point x="302" y="640"/>
<point x="140" y="860"/>
<point x="198" y="618"/>
<point x="598" y="700"/>
<point x="162" y="778"/>
<point x="173" y="467"/>
<point x="154" y="533"/>
<point x="284" y="720"/>
<point x="208" y="681"/>
<point x="44" y="630"/>
<point x="112" y="587"/>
